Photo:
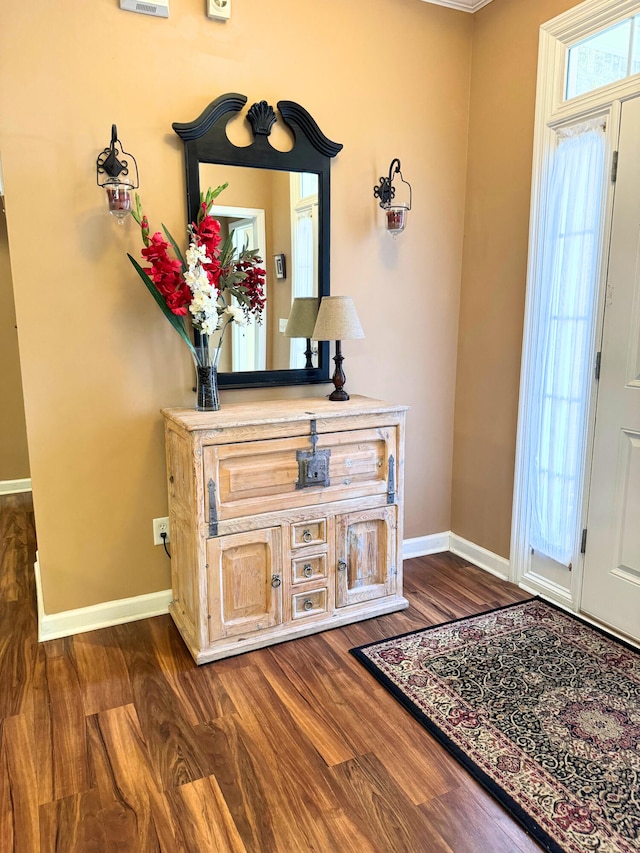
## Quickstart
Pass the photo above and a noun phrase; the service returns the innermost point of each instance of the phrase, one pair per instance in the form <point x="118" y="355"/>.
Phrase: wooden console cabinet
<point x="285" y="519"/>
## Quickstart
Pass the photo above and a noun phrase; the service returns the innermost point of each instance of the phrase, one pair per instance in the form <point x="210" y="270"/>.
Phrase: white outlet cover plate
<point x="219" y="10"/>
<point x="160" y="524"/>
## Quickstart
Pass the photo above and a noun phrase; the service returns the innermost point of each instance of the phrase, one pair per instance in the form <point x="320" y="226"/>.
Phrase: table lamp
<point x="337" y="321"/>
<point x="301" y="323"/>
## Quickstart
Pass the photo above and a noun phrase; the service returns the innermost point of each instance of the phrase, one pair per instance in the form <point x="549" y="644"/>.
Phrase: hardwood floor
<point x="115" y="740"/>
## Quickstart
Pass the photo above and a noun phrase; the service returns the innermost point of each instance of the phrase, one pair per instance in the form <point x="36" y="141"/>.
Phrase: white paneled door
<point x="611" y="580"/>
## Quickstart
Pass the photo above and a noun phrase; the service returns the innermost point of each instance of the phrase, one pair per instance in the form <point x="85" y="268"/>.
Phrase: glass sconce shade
<point x="119" y="199"/>
<point x="396" y="218"/>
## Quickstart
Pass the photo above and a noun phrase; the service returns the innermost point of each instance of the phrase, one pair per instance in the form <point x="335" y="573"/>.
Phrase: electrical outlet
<point x="219" y="10"/>
<point x="160" y="526"/>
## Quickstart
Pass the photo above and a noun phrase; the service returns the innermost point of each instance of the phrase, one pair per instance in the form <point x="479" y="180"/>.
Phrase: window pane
<point x="308" y="185"/>
<point x="600" y="60"/>
<point x="635" y="54"/>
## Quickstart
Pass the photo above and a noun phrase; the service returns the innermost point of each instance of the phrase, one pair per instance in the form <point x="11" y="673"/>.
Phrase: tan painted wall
<point x="99" y="360"/>
<point x="14" y="457"/>
<point x="503" y="87"/>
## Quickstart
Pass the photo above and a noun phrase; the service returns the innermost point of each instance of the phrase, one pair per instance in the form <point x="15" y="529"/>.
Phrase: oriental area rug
<point x="541" y="708"/>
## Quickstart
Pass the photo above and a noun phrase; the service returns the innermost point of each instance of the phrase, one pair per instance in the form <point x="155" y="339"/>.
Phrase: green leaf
<point x="215" y="193"/>
<point x="249" y="254"/>
<point x="176" y="321"/>
<point x="208" y="198"/>
<point x="137" y="211"/>
<point x="233" y="279"/>
<point x="227" y="251"/>
<point x="176" y="248"/>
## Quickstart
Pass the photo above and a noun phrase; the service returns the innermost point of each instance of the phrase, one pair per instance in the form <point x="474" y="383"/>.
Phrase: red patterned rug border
<point x="529" y="823"/>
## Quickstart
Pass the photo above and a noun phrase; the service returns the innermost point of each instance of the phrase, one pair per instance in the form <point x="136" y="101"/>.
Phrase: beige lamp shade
<point x="337" y="320"/>
<point x="302" y="318"/>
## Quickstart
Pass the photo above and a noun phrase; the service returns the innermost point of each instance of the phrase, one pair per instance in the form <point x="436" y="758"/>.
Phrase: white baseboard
<point x="12" y="487"/>
<point x="434" y="543"/>
<point x="51" y="626"/>
<point x="480" y="557"/>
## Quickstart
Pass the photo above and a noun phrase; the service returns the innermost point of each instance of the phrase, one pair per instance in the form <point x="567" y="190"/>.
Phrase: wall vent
<point x="158" y="10"/>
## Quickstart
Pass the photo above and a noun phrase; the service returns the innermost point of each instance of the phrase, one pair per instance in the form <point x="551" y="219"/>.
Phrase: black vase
<point x="207" y="399"/>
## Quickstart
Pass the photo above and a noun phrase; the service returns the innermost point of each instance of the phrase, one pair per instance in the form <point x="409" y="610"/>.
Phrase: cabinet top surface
<point x="273" y="411"/>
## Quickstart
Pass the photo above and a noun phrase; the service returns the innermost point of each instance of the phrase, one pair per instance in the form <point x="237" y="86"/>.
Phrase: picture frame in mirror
<point x="280" y="262"/>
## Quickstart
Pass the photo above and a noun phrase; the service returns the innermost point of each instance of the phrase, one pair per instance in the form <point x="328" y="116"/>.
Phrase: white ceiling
<point x="463" y="5"/>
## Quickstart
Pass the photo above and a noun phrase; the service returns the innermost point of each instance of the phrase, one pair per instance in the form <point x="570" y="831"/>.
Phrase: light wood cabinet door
<point x="245" y="582"/>
<point x="365" y="555"/>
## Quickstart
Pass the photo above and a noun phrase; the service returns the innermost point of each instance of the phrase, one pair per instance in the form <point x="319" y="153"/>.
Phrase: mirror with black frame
<point x="277" y="202"/>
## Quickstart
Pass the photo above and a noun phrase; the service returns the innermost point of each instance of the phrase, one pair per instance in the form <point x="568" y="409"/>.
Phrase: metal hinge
<point x="213" y="510"/>
<point x="614" y="167"/>
<point x="583" y="543"/>
<point x="598" y="362"/>
<point x="391" y="481"/>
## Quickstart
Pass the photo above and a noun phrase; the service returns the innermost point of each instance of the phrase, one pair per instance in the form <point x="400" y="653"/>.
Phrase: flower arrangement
<point x="213" y="282"/>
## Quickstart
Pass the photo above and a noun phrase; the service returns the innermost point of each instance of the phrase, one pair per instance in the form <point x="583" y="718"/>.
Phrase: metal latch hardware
<point x="313" y="465"/>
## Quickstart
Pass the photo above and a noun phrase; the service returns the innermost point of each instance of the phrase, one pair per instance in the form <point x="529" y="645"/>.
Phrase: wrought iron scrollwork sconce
<point x="118" y="176"/>
<point x="395" y="211"/>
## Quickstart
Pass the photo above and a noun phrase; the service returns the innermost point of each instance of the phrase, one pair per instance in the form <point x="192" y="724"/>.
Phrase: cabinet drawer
<point x="309" y="533"/>
<point x="262" y="476"/>
<point x="309" y="568"/>
<point x="309" y="603"/>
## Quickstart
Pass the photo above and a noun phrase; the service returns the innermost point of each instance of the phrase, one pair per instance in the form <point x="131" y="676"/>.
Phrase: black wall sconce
<point x="118" y="176"/>
<point x="395" y="211"/>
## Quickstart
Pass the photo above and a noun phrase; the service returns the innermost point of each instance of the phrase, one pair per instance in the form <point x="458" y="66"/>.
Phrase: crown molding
<point x="461" y="5"/>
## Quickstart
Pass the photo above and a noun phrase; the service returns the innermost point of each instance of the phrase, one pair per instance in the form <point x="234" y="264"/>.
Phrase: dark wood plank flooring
<point x="115" y="740"/>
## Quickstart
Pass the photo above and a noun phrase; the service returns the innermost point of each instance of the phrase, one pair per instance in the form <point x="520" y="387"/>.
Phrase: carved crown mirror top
<point x="209" y="156"/>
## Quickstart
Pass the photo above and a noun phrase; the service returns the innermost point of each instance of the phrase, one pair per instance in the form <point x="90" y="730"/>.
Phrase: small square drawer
<point x="309" y="568"/>
<point x="309" y="603"/>
<point x="309" y="533"/>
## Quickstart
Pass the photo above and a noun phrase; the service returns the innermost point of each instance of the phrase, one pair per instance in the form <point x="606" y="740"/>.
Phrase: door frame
<point x="553" y="112"/>
<point x="257" y="216"/>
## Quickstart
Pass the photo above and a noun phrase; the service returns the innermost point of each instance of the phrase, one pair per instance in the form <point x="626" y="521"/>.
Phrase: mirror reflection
<point x="293" y="189"/>
<point x="276" y="212"/>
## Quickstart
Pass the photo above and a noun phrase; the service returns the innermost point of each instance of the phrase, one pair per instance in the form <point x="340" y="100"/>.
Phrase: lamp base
<point x="339" y="394"/>
<point x="338" y="378"/>
<point x="308" y="354"/>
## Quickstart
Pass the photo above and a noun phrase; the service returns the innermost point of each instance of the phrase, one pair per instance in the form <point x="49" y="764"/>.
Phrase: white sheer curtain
<point x="565" y="305"/>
